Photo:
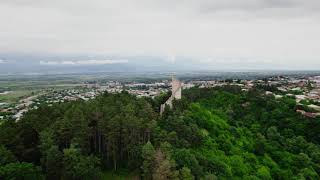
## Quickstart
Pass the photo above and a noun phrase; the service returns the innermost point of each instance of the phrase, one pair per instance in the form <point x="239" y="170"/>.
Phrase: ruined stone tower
<point x="176" y="93"/>
<point x="176" y="88"/>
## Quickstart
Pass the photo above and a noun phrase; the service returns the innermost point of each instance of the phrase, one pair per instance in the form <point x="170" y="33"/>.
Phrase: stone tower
<point x="176" y="88"/>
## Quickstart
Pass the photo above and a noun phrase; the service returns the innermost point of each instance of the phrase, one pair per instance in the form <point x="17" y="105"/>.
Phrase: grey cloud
<point x="84" y="62"/>
<point x="242" y="5"/>
<point x="261" y="29"/>
<point x="214" y="5"/>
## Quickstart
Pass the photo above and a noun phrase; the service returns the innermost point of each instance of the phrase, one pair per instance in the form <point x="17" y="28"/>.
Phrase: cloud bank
<point x="280" y="30"/>
<point x="83" y="62"/>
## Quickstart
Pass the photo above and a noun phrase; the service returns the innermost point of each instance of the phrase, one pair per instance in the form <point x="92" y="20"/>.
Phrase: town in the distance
<point x="18" y="97"/>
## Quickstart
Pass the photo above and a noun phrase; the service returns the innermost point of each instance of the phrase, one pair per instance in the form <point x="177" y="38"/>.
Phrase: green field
<point x="20" y="89"/>
<point x="15" y="96"/>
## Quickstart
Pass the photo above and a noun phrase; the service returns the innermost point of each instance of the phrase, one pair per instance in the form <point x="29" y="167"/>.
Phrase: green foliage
<point x="18" y="171"/>
<point x="263" y="173"/>
<point x="148" y="156"/>
<point x="53" y="163"/>
<point x="164" y="167"/>
<point x="186" y="159"/>
<point x="78" y="166"/>
<point x="6" y="156"/>
<point x="185" y="173"/>
<point x="121" y="174"/>
<point x="211" y="133"/>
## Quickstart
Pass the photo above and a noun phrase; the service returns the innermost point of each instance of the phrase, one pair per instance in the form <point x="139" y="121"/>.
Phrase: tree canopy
<point x="211" y="133"/>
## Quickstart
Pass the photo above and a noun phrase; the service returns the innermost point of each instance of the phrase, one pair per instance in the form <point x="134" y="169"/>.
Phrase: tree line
<point x="211" y="133"/>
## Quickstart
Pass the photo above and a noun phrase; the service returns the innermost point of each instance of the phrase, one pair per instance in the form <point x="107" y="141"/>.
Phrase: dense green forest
<point x="211" y="133"/>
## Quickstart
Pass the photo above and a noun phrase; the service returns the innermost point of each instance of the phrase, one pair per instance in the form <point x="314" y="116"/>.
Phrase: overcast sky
<point x="276" y="31"/>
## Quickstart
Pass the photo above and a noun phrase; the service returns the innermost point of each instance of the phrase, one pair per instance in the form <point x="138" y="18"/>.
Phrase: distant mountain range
<point x="80" y="64"/>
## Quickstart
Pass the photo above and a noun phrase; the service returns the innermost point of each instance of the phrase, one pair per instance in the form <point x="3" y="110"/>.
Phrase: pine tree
<point x="148" y="153"/>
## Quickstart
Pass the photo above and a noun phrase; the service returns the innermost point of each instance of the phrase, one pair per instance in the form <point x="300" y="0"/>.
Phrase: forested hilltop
<point x="215" y="133"/>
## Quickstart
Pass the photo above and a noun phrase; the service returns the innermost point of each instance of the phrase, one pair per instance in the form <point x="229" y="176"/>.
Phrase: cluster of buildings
<point x="305" y="90"/>
<point x="16" y="111"/>
<point x="66" y="95"/>
<point x="147" y="89"/>
<point x="84" y="92"/>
